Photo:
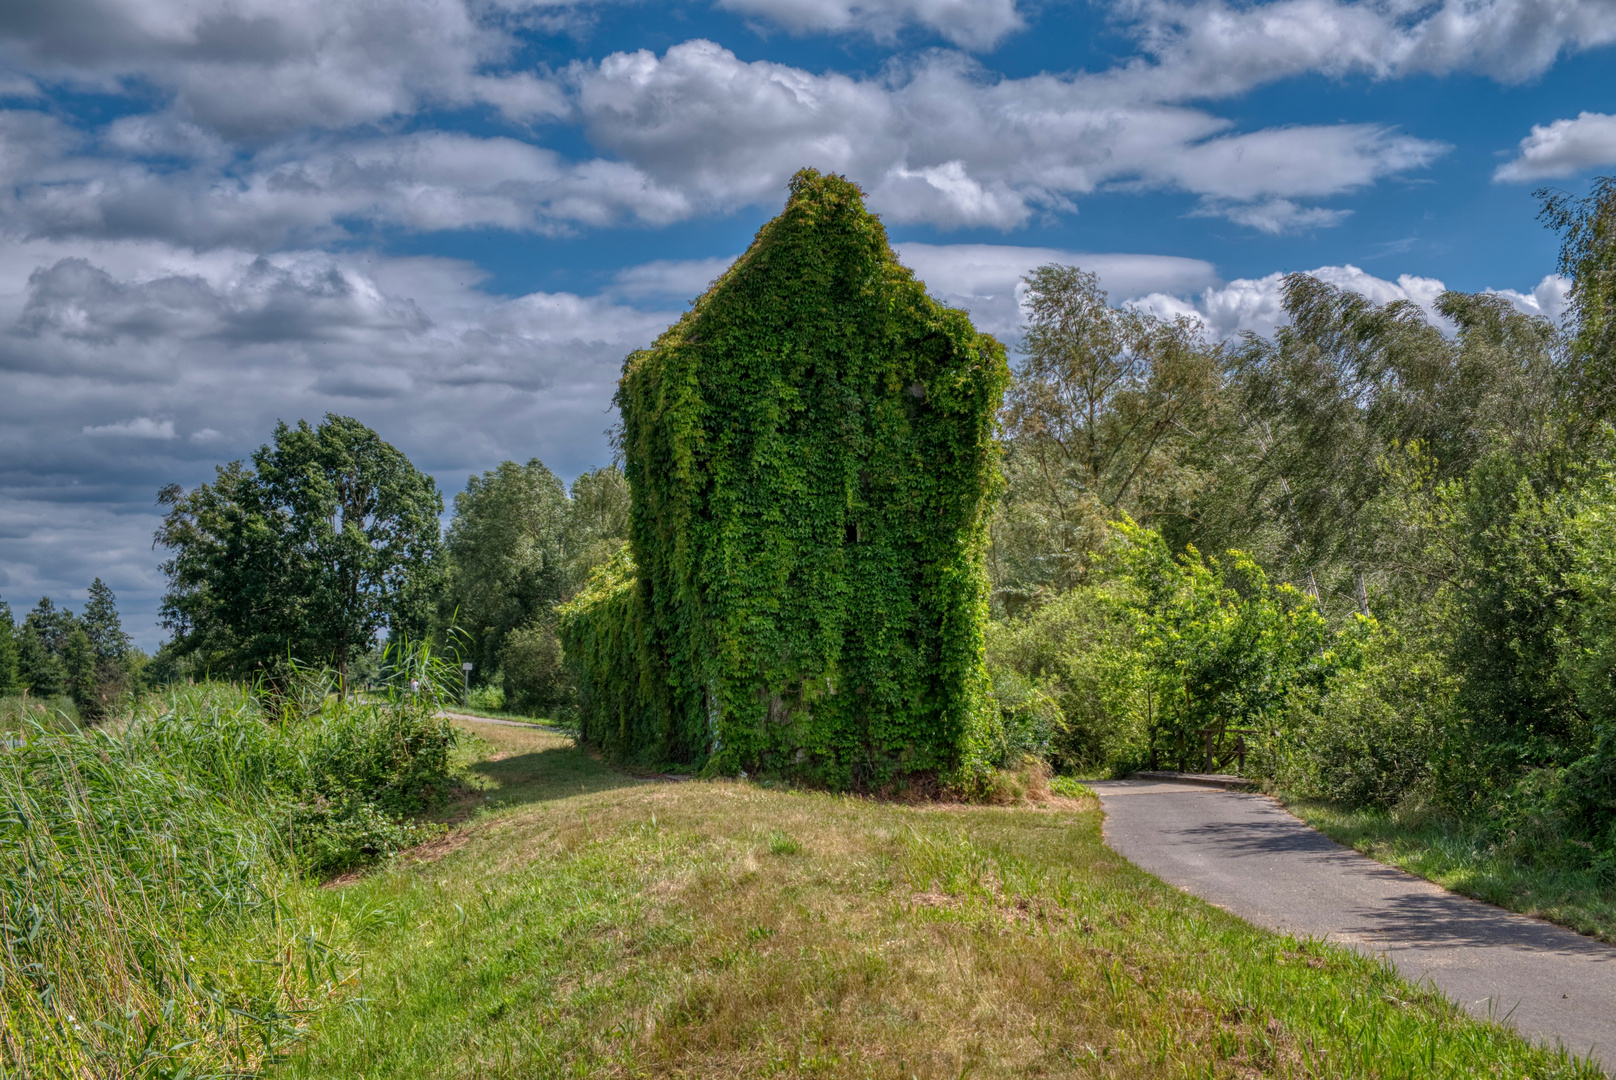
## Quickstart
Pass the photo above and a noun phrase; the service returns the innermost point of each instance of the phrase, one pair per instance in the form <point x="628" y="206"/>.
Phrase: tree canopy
<point x="330" y="537"/>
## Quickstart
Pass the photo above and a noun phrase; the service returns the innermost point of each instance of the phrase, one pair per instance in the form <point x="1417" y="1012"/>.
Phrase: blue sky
<point x="452" y="218"/>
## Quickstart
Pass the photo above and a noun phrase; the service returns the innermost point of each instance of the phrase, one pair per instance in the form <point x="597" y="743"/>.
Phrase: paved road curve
<point x="1245" y="854"/>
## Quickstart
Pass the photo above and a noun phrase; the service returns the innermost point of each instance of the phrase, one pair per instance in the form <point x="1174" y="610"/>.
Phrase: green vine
<point x="810" y="452"/>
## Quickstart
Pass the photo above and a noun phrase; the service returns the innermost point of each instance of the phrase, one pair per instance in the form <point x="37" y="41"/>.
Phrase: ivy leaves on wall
<point x="811" y="458"/>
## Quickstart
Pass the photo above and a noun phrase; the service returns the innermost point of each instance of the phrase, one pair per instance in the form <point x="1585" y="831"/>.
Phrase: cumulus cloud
<point x="970" y="24"/>
<point x="1214" y="48"/>
<point x="1257" y="304"/>
<point x="1563" y="148"/>
<point x="136" y="365"/>
<point x="985" y="279"/>
<point x="695" y="130"/>
<point x="941" y="142"/>
<point x="253" y="69"/>
<point x="1551" y="299"/>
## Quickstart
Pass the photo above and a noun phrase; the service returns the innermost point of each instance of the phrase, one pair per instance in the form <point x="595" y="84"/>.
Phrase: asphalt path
<point x="1247" y="855"/>
<point x="489" y="720"/>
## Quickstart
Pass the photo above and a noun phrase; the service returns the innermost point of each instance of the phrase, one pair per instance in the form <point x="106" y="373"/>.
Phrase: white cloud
<point x="253" y="69"/>
<point x="1551" y="298"/>
<point x="985" y="279"/>
<point x="670" y="279"/>
<point x="141" y="427"/>
<point x="301" y="193"/>
<point x="1257" y="304"/>
<point x="1272" y="216"/>
<point x="942" y="142"/>
<point x="970" y="24"/>
<point x="1296" y="161"/>
<point x="1213" y="48"/>
<point x="1563" y="148"/>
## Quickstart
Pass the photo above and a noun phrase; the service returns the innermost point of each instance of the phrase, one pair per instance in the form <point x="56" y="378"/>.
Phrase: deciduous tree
<point x="328" y="538"/>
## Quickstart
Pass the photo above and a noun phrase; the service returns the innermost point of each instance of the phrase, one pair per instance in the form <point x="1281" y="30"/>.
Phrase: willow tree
<point x="811" y="462"/>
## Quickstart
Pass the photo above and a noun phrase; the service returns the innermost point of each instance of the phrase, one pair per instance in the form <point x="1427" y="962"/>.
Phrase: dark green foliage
<point x="535" y="678"/>
<point x="9" y="679"/>
<point x="810" y="455"/>
<point x="330" y="537"/>
<point x="102" y="625"/>
<point x="1370" y="737"/>
<point x="39" y="649"/>
<point x="507" y="557"/>
<point x="99" y="668"/>
<point x="78" y="661"/>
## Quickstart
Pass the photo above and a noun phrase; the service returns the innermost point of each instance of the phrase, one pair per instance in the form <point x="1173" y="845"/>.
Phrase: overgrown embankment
<point x="154" y="878"/>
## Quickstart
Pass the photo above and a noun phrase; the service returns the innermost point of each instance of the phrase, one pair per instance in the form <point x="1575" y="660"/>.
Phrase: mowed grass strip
<point x="593" y="925"/>
<point x="1465" y="859"/>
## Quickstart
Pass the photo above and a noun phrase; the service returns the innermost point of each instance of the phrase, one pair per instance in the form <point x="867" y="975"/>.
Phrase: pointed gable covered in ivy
<point x="811" y="459"/>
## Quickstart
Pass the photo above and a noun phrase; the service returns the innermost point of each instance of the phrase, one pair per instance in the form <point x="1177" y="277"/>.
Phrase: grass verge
<point x="1463" y="859"/>
<point x="588" y="924"/>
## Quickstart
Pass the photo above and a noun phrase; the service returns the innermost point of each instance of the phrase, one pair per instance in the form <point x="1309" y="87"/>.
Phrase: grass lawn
<point x="583" y="923"/>
<point x="1460" y="858"/>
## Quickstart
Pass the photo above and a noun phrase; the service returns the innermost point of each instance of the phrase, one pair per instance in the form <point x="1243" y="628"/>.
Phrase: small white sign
<point x="466" y="666"/>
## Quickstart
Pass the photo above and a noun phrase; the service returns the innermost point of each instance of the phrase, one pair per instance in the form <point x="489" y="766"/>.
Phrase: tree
<point x="1097" y="420"/>
<point x="9" y="681"/>
<point x="1588" y="257"/>
<point x="1345" y="388"/>
<point x="331" y="536"/>
<point x="108" y="643"/>
<point x="597" y="522"/>
<point x="82" y="682"/>
<point x="40" y="646"/>
<point x="1221" y="647"/>
<point x="507" y="555"/>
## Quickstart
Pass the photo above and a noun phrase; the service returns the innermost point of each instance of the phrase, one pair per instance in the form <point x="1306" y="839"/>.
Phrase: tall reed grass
<point x="150" y="874"/>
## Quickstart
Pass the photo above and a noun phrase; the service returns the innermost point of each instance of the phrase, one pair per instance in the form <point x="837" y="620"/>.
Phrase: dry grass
<point x="599" y="926"/>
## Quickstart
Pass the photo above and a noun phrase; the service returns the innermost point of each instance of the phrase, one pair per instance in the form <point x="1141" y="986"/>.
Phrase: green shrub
<point x="1067" y="788"/>
<point x="1029" y="721"/>
<point x="1370" y="738"/>
<point x="534" y="675"/>
<point x="1077" y="652"/>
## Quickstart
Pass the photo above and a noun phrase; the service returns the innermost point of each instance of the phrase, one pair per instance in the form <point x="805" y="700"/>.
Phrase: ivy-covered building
<point x="811" y="457"/>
